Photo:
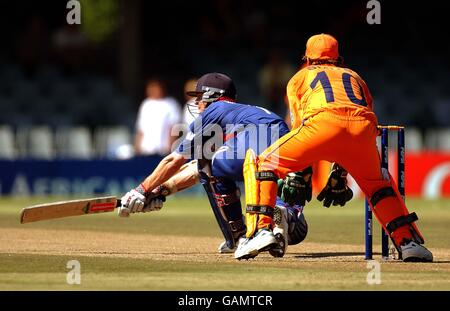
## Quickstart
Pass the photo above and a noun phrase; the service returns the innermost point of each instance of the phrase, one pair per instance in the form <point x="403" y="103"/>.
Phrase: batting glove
<point x="156" y="199"/>
<point x="154" y="204"/>
<point x="132" y="202"/>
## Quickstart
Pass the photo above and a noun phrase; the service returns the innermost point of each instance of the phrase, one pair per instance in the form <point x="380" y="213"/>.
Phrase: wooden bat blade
<point x="68" y="208"/>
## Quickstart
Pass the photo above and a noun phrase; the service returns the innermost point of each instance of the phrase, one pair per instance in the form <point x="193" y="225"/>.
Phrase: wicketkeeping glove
<point x="336" y="191"/>
<point x="296" y="188"/>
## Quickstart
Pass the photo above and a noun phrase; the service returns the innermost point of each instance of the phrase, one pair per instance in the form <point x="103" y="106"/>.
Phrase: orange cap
<point x="322" y="46"/>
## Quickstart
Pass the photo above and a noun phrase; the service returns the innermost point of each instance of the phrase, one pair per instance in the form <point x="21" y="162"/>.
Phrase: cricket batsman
<point x="333" y="120"/>
<point x="219" y="139"/>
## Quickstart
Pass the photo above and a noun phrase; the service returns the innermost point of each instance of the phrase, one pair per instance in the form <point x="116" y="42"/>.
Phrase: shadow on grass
<point x="352" y="254"/>
<point x="330" y="254"/>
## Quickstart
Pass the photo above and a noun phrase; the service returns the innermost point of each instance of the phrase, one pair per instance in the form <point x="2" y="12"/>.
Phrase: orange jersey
<point x="319" y="88"/>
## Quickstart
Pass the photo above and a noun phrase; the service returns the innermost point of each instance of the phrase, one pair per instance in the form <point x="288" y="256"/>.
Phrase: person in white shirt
<point x="157" y="115"/>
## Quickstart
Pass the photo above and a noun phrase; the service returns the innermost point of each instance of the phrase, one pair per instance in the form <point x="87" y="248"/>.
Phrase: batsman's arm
<point x="165" y="170"/>
<point x="186" y="177"/>
<point x="172" y="163"/>
<point x="135" y="200"/>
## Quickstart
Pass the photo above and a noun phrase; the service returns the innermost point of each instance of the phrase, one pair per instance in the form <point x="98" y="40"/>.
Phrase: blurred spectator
<point x="157" y="115"/>
<point x="273" y="79"/>
<point x="188" y="113"/>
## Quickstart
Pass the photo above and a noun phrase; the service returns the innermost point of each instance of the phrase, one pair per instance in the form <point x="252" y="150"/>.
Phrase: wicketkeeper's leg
<point x="258" y="215"/>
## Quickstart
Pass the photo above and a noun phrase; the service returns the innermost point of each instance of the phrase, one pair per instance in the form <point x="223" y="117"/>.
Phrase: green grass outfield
<point x="175" y="249"/>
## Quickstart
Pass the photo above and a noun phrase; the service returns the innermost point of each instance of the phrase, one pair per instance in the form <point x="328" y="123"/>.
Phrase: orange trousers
<point x="347" y="140"/>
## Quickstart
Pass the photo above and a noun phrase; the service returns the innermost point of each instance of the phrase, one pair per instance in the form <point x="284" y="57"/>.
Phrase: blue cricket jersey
<point x="230" y="118"/>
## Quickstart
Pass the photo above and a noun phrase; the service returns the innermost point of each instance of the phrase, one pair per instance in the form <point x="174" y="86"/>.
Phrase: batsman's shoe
<point x="263" y="240"/>
<point x="414" y="252"/>
<point x="280" y="218"/>
<point x="224" y="249"/>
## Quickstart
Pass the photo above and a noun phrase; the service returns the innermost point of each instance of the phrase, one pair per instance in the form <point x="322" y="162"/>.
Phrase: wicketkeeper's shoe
<point x="414" y="252"/>
<point x="263" y="240"/>
<point x="280" y="218"/>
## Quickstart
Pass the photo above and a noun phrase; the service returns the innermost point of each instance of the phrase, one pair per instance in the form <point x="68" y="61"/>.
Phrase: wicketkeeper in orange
<point x="333" y="120"/>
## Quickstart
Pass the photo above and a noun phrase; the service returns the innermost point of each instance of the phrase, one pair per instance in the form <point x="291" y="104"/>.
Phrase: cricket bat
<point x="68" y="208"/>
